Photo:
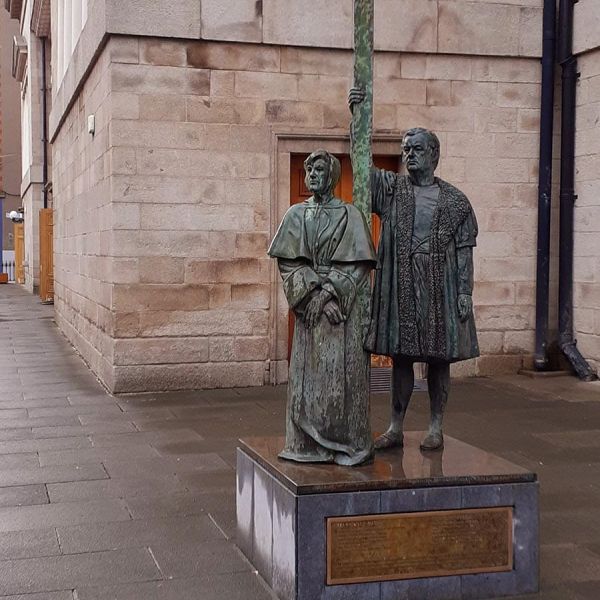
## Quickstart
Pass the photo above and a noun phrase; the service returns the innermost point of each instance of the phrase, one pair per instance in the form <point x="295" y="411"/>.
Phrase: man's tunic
<point x="419" y="277"/>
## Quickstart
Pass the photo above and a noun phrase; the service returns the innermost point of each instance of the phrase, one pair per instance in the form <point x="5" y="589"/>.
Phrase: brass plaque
<point x="421" y="544"/>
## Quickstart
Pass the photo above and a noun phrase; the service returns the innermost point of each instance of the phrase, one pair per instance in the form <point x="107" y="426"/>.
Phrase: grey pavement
<point x="133" y="497"/>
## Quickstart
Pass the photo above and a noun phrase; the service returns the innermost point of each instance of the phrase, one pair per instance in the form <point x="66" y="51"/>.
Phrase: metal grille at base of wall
<point x="381" y="381"/>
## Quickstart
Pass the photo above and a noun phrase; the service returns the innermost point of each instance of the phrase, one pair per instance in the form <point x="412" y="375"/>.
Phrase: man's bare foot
<point x="389" y="439"/>
<point x="433" y="441"/>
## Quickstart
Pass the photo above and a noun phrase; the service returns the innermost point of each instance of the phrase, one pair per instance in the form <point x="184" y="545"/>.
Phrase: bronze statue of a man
<point x="324" y="252"/>
<point x="422" y="309"/>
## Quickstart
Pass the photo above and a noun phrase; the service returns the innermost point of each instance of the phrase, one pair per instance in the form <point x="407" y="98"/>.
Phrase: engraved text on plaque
<point x="423" y="544"/>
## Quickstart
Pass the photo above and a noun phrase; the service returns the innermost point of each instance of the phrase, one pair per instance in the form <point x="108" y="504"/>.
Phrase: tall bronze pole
<point x="361" y="134"/>
<point x="362" y="118"/>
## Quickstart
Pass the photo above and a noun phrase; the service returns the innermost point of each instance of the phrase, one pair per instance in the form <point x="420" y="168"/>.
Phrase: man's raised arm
<point x="355" y="97"/>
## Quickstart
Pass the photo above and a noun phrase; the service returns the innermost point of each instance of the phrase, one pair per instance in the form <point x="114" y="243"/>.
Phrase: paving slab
<point x="26" y="460"/>
<point x="74" y="411"/>
<point x="94" y="537"/>
<point x="12" y="413"/>
<point x="23" y="495"/>
<point x="587" y="590"/>
<point x="226" y="520"/>
<point x="28" y="544"/>
<point x="79" y="430"/>
<point x="155" y="438"/>
<point x="569" y="563"/>
<point x="15" y="434"/>
<point x="38" y="422"/>
<point x="184" y="559"/>
<point x="166" y="465"/>
<point x="182" y="447"/>
<point x="80" y="456"/>
<point x="233" y="586"/>
<point x="19" y="401"/>
<point x="21" y="518"/>
<point x="186" y="503"/>
<point x="43" y="445"/>
<point x="52" y="573"/>
<point x="142" y="485"/>
<point x="64" y="595"/>
<point x="54" y="474"/>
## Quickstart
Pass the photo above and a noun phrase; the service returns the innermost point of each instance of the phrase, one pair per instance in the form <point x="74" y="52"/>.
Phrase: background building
<point x="10" y="136"/>
<point x="30" y="68"/>
<point x="177" y="133"/>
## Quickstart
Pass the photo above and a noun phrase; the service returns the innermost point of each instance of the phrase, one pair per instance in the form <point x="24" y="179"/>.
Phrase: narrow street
<point x="133" y="497"/>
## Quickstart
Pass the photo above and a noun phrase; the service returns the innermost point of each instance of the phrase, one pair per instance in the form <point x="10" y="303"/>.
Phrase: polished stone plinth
<point x="282" y="509"/>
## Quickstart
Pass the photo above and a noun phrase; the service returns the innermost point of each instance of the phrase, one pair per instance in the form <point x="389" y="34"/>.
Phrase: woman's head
<point x="323" y="171"/>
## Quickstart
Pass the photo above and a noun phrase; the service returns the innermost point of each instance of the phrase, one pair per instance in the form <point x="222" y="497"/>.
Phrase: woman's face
<point x="317" y="176"/>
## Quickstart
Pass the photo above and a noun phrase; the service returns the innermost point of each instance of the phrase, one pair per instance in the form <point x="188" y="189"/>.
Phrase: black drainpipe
<point x="44" y="125"/>
<point x="545" y="187"/>
<point x="568" y="64"/>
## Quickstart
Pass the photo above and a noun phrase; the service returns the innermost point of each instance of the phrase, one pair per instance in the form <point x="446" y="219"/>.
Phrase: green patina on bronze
<point x="422" y="300"/>
<point x="422" y="306"/>
<point x="361" y="148"/>
<point x="361" y="128"/>
<point x="362" y="116"/>
<point x="324" y="253"/>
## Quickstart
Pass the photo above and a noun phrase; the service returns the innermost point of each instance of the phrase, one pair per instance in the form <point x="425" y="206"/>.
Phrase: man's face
<point x="417" y="154"/>
<point x="317" y="175"/>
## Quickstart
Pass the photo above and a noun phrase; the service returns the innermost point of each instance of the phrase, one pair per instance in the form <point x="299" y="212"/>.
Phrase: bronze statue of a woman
<point x="324" y="253"/>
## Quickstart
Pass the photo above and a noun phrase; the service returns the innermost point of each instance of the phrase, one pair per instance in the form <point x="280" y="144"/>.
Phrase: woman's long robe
<point x="326" y="246"/>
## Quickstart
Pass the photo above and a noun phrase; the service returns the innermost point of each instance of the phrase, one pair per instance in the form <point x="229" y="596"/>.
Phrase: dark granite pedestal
<point x="283" y="510"/>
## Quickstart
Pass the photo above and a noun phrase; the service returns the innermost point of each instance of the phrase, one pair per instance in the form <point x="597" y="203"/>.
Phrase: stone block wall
<point x="587" y="165"/>
<point x="83" y="223"/>
<point x="486" y="27"/>
<point x="192" y="279"/>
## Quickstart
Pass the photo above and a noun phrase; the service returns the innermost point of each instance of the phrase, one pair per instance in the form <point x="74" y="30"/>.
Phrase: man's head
<point x="420" y="152"/>
<point x="323" y="171"/>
